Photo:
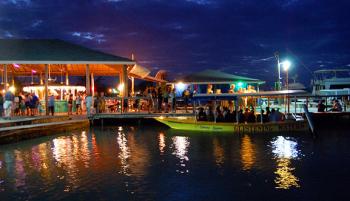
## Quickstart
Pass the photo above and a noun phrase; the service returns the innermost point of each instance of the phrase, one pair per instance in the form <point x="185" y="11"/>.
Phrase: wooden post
<point x="295" y="104"/>
<point x="67" y="78"/>
<point x="132" y="86"/>
<point x="93" y="89"/>
<point x="125" y="81"/>
<point x="214" y="110"/>
<point x="5" y="77"/>
<point x="41" y="79"/>
<point x="88" y="91"/>
<point x="46" y="89"/>
<point x="92" y="85"/>
<point x="236" y="108"/>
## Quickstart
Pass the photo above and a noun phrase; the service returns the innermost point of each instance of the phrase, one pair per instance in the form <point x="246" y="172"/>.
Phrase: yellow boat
<point x="191" y="124"/>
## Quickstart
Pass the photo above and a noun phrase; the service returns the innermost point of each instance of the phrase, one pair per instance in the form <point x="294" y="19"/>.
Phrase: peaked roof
<point x="53" y="51"/>
<point x="217" y="77"/>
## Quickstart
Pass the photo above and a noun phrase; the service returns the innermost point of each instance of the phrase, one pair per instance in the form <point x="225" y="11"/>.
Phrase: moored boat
<point x="293" y="123"/>
<point x="191" y="124"/>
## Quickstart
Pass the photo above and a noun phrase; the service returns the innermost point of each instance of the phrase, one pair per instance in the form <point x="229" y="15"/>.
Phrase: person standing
<point x="9" y="98"/>
<point x="2" y="101"/>
<point x="1" y="105"/>
<point x="172" y="97"/>
<point x="51" y="104"/>
<point x="186" y="95"/>
<point x="70" y="104"/>
<point x="34" y="104"/>
<point x="78" y="104"/>
<point x="160" y="99"/>
<point x="321" y="107"/>
<point x="88" y="101"/>
<point x="166" y="99"/>
<point x="148" y="94"/>
<point x="102" y="102"/>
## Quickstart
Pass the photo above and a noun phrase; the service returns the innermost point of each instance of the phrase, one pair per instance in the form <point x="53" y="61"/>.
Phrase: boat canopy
<point x="216" y="77"/>
<point x="234" y="96"/>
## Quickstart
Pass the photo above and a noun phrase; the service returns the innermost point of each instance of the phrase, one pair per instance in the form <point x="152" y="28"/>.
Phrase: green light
<point x="240" y="84"/>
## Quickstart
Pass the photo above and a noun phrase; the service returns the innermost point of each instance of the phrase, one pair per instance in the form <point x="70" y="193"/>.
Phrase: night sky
<point x="183" y="36"/>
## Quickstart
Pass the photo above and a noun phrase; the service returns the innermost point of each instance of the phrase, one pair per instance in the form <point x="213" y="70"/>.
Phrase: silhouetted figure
<point x="241" y="116"/>
<point x="273" y="116"/>
<point x="321" y="107"/>
<point x="280" y="116"/>
<point x="336" y="106"/>
<point x="219" y="115"/>
<point x="201" y="115"/>
<point x="251" y="117"/>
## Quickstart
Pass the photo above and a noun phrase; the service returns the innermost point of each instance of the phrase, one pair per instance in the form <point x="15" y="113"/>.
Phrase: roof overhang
<point x="221" y="82"/>
<point x="256" y="94"/>
<point x="70" y="62"/>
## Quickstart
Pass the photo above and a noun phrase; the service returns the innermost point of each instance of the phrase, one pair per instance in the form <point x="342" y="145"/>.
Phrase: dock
<point x="17" y="133"/>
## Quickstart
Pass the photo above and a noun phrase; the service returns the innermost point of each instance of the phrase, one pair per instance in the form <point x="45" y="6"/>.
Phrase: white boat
<point x="331" y="82"/>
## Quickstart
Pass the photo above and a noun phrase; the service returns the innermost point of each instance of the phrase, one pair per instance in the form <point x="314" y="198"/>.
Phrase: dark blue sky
<point x="182" y="36"/>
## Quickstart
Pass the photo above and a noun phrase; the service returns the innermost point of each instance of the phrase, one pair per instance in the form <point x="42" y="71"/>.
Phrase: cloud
<point x="89" y="36"/>
<point x="201" y="2"/>
<point x="17" y="2"/>
<point x="37" y="23"/>
<point x="7" y="34"/>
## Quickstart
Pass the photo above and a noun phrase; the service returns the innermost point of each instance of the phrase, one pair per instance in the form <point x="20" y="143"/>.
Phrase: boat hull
<point x="192" y="125"/>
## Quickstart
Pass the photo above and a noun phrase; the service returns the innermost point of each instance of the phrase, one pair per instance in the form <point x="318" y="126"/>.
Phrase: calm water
<point x="155" y="163"/>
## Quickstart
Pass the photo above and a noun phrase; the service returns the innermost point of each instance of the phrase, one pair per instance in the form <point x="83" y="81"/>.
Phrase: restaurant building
<point x="46" y="58"/>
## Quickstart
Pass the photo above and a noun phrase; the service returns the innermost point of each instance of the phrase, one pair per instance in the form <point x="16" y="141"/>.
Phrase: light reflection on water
<point x="285" y="149"/>
<point x="124" y="153"/>
<point x="136" y="164"/>
<point x="219" y="153"/>
<point x="161" y="142"/>
<point x="180" y="150"/>
<point x="247" y="153"/>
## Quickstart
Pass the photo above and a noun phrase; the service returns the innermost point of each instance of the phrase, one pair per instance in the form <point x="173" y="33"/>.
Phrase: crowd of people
<point x="154" y="99"/>
<point x="224" y="114"/>
<point x="336" y="106"/>
<point x="23" y="104"/>
<point x="160" y="99"/>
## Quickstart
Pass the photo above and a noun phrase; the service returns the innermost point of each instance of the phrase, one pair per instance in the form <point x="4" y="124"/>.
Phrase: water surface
<point x="156" y="163"/>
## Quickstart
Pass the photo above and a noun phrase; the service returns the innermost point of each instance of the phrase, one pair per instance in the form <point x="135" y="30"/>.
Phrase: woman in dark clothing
<point x="251" y="117"/>
<point x="219" y="115"/>
<point x="70" y="104"/>
<point x="160" y="99"/>
<point x="241" y="118"/>
<point x="201" y="115"/>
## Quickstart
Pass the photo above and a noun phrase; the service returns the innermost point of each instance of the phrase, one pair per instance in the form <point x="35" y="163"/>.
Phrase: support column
<point x="88" y="91"/>
<point x="92" y="85"/>
<point x="41" y="79"/>
<point x="236" y="109"/>
<point x="125" y="81"/>
<point x="46" y="89"/>
<point x="13" y="78"/>
<point x="67" y="78"/>
<point x="132" y="86"/>
<point x="5" y="77"/>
